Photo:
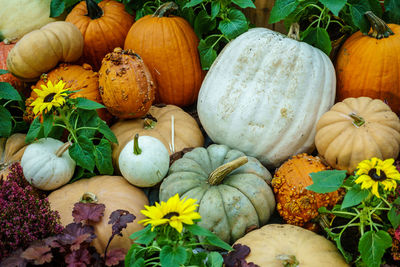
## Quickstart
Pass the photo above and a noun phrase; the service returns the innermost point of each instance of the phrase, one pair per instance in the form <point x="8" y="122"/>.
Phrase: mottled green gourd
<point x="231" y="204"/>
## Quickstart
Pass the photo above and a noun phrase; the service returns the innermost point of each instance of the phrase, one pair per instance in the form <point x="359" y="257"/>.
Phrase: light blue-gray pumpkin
<point x="231" y="189"/>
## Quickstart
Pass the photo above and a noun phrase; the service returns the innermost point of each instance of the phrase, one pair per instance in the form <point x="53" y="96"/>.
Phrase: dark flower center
<point x="49" y="97"/>
<point x="169" y="215"/>
<point x="374" y="176"/>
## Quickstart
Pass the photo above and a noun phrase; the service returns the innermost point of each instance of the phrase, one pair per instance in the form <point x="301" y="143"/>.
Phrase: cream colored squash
<point x="264" y="95"/>
<point x="19" y="17"/>
<point x="46" y="164"/>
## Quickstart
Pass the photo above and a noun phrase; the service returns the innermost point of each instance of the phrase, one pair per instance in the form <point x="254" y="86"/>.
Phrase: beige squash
<point x="11" y="150"/>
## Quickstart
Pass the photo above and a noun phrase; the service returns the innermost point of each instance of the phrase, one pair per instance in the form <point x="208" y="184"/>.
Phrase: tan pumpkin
<point x="277" y="245"/>
<point x="158" y="123"/>
<point x="11" y="150"/>
<point x="355" y="130"/>
<point x="112" y="191"/>
<point x="39" y="51"/>
<point x="126" y="84"/>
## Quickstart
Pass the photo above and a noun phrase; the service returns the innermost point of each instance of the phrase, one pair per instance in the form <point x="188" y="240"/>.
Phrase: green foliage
<point x="326" y="181"/>
<point x="373" y="245"/>
<point x="392" y="11"/>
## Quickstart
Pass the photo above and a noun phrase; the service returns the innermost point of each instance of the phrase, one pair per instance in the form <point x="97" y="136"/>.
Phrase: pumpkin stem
<point x="358" y="121"/>
<point x="218" y="175"/>
<point x="62" y="149"/>
<point x="94" y="11"/>
<point x="294" y="31"/>
<point x="149" y="122"/>
<point x="136" y="148"/>
<point x="379" y="28"/>
<point x="88" y="197"/>
<point x="288" y="260"/>
<point x="165" y="10"/>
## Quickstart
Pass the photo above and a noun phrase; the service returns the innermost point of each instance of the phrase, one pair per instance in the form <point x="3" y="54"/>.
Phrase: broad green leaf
<point x="87" y="104"/>
<point x="141" y="232"/>
<point x="215" y="8"/>
<point x="244" y="3"/>
<point x="193" y="3"/>
<point x="57" y="7"/>
<point x="34" y="130"/>
<point x="211" y="237"/>
<point x="234" y="25"/>
<point x="106" y="131"/>
<point x="319" y="38"/>
<point x="215" y="259"/>
<point x="357" y="11"/>
<point x="334" y="5"/>
<point x="281" y="9"/>
<point x="392" y="11"/>
<point x="354" y="196"/>
<point x="83" y="153"/>
<point x="85" y="118"/>
<point x="216" y="241"/>
<point x="394" y="213"/>
<point x="8" y="92"/>
<point x="376" y="7"/>
<point x="146" y="238"/>
<point x="372" y="246"/>
<point x="5" y="122"/>
<point x="172" y="257"/>
<point x="207" y="54"/>
<point x="47" y="123"/>
<point x="3" y="71"/>
<point x="203" y="23"/>
<point x="139" y="263"/>
<point x="326" y="181"/>
<point x="102" y="154"/>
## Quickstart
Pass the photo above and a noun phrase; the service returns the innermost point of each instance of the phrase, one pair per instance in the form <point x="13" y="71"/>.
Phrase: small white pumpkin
<point x="145" y="165"/>
<point x="46" y="165"/>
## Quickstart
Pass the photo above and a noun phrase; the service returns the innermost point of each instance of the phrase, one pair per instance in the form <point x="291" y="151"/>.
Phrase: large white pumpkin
<point x="264" y="95"/>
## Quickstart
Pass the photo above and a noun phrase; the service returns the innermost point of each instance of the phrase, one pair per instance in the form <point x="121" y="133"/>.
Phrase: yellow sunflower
<point x="50" y="96"/>
<point x="174" y="212"/>
<point x="375" y="172"/>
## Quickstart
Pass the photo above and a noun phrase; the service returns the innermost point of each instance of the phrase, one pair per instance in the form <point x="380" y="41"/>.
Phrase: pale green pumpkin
<point x="231" y="189"/>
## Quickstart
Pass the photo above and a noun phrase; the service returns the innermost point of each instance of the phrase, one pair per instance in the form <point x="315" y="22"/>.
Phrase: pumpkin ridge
<point x="184" y="70"/>
<point x="225" y="214"/>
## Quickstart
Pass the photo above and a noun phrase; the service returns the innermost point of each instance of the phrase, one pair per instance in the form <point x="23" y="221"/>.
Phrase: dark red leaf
<point x="75" y="234"/>
<point x="119" y="220"/>
<point x="236" y="258"/>
<point x="88" y="212"/>
<point x="38" y="253"/>
<point x="78" y="258"/>
<point x="115" y="256"/>
<point x="243" y="263"/>
<point x="14" y="260"/>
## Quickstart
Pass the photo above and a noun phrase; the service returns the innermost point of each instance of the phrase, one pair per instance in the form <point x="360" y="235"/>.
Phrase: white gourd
<point x="264" y="94"/>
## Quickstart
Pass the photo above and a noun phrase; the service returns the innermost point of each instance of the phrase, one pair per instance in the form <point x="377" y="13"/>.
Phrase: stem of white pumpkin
<point x="63" y="148"/>
<point x="218" y="175"/>
<point x="294" y="31"/>
<point x="358" y="121"/>
<point x="136" y="148"/>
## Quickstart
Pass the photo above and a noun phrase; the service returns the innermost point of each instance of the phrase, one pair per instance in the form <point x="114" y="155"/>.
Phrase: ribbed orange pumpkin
<point x="104" y="26"/>
<point x="369" y="66"/>
<point x="168" y="45"/>
<point x="9" y="78"/>
<point x="77" y="78"/>
<point x="297" y="205"/>
<point x="126" y="84"/>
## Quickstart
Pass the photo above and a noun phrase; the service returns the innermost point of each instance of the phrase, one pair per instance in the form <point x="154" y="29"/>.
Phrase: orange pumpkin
<point x="369" y="65"/>
<point x="168" y="45"/>
<point x="9" y="78"/>
<point x="126" y="84"/>
<point x="77" y="78"/>
<point x="104" y="26"/>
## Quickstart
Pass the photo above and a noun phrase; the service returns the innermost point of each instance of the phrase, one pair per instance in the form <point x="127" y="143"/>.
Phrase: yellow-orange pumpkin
<point x="369" y="65"/>
<point x="168" y="45"/>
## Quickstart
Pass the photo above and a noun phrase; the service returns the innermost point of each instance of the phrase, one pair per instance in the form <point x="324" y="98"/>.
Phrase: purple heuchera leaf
<point x="14" y="260"/>
<point x="119" y="220"/>
<point x="88" y="212"/>
<point x="78" y="258"/>
<point x="236" y="258"/>
<point x="397" y="233"/>
<point x="40" y="254"/>
<point x="115" y="256"/>
<point x="75" y="234"/>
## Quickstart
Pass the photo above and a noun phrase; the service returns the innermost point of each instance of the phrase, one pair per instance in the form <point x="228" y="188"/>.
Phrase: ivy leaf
<point x="47" y="123"/>
<point x="5" y="122"/>
<point x="193" y="3"/>
<point x="394" y="213"/>
<point x="203" y="23"/>
<point x="102" y="154"/>
<point x="326" y="181"/>
<point x="319" y="38"/>
<point x="392" y="11"/>
<point x="82" y="153"/>
<point x="244" y="3"/>
<point x="172" y="256"/>
<point x="334" y="5"/>
<point x="3" y="71"/>
<point x="372" y="246"/>
<point x="215" y="8"/>
<point x="354" y="196"/>
<point x="281" y="9"/>
<point x="87" y="104"/>
<point x="8" y="92"/>
<point x="207" y="54"/>
<point x="234" y="25"/>
<point x="34" y="130"/>
<point x="357" y="11"/>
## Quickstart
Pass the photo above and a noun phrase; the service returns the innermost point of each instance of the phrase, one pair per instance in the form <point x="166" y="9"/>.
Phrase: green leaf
<point x="106" y="131"/>
<point x="172" y="256"/>
<point x="357" y="11"/>
<point x="83" y="153"/>
<point x="394" y="213"/>
<point x="210" y="236"/>
<point x="376" y="7"/>
<point x="326" y="181"/>
<point x="5" y="122"/>
<point x="207" y="54"/>
<point x="203" y="23"/>
<point x="87" y="104"/>
<point x="57" y="7"/>
<point x="372" y="246"/>
<point x="8" y="92"/>
<point x="193" y="3"/>
<point x="85" y="118"/>
<point x="319" y="38"/>
<point x="34" y="130"/>
<point x="215" y="8"/>
<point x="47" y="123"/>
<point x="141" y="232"/>
<point x="102" y="154"/>
<point x="334" y="5"/>
<point x="146" y="238"/>
<point x="392" y="11"/>
<point x="215" y="259"/>
<point x="244" y="3"/>
<point x="354" y="196"/>
<point x="216" y="241"/>
<point x="234" y="25"/>
<point x="281" y="9"/>
<point x="3" y="71"/>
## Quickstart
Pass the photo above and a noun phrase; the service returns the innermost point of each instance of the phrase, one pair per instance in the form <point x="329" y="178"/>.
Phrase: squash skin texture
<point x="9" y="78"/>
<point x="11" y="150"/>
<point x="242" y="201"/>
<point x="264" y="94"/>
<point x="272" y="240"/>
